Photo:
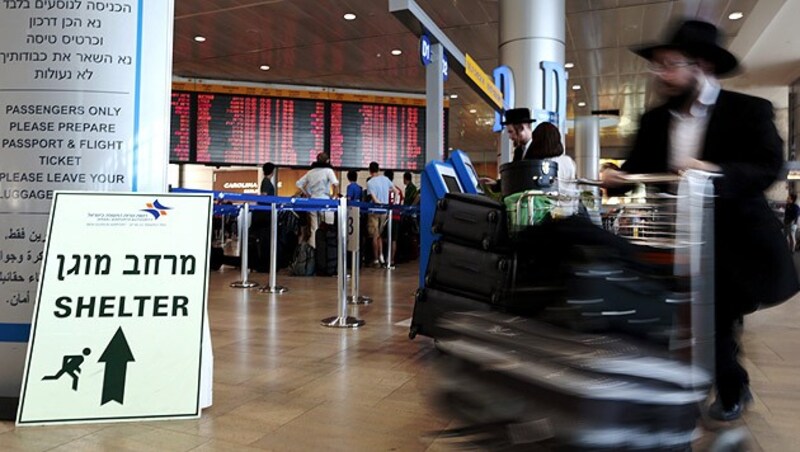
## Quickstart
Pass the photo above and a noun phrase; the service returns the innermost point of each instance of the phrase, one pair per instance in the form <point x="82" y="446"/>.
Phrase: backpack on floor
<point x="303" y="261"/>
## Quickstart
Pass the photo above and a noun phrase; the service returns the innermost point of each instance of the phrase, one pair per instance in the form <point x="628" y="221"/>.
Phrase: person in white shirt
<point x="546" y="144"/>
<point x="317" y="183"/>
<point x="378" y="187"/>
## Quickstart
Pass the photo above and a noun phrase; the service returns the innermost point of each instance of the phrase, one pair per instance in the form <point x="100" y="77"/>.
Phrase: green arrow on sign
<point x="116" y="356"/>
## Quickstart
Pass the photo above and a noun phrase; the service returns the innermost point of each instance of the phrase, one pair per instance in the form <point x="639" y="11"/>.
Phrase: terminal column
<point x="531" y="32"/>
<point x="587" y="146"/>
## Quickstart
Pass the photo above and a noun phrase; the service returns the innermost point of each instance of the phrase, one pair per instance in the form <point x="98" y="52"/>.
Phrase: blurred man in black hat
<point x="701" y="126"/>
<point x="518" y="125"/>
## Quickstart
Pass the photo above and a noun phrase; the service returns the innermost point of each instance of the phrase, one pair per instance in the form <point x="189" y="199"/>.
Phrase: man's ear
<point x="705" y="66"/>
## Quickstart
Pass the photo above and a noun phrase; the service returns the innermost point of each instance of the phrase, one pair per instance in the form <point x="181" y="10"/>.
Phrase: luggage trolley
<point x="623" y="362"/>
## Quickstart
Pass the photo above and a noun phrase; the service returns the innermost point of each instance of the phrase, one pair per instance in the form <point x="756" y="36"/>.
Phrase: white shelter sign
<point x="118" y="322"/>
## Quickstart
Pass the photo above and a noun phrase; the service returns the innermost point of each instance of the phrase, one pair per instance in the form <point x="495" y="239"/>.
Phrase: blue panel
<point x="15" y="332"/>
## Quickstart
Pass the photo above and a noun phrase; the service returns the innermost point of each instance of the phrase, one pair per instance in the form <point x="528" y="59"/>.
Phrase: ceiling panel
<point x="306" y="42"/>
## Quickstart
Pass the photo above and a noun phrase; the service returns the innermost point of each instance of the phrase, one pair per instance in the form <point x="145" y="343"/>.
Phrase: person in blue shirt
<point x="354" y="191"/>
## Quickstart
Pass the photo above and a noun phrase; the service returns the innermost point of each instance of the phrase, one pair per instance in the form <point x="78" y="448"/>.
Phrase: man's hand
<point x="702" y="165"/>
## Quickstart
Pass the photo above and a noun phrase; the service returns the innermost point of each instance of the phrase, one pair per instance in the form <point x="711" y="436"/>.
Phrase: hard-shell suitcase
<point x="431" y="304"/>
<point x="325" y="248"/>
<point x="475" y="220"/>
<point x="468" y="271"/>
<point x="596" y="392"/>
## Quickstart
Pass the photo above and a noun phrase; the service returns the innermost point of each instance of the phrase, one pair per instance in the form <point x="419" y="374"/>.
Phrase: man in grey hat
<point x="701" y="126"/>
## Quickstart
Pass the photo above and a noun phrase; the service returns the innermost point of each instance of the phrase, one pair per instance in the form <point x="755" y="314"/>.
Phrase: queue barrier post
<point x="244" y="227"/>
<point x="355" y="267"/>
<point x="342" y="320"/>
<point x="273" y="254"/>
<point x="389" y="262"/>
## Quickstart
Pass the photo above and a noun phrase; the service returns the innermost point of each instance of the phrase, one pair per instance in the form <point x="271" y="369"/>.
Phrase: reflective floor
<point x="283" y="382"/>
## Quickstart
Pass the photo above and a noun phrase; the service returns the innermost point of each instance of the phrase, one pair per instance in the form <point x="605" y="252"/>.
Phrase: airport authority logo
<point x="156" y="209"/>
<point x="133" y="215"/>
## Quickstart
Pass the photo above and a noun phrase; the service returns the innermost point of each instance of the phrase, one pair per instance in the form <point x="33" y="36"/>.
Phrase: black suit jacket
<point x="754" y="266"/>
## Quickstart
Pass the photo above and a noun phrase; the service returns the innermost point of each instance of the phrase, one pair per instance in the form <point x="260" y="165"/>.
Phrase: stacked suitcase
<point x="469" y="265"/>
<point x="472" y="267"/>
<point x="516" y="381"/>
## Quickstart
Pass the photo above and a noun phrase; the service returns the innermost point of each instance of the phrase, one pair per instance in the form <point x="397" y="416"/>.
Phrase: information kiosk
<point x="456" y="175"/>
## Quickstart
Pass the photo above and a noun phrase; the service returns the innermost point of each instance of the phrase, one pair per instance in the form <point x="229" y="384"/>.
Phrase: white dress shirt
<point x="687" y="131"/>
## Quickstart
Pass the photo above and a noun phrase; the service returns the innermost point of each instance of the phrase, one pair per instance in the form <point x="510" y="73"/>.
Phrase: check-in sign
<point x="118" y="324"/>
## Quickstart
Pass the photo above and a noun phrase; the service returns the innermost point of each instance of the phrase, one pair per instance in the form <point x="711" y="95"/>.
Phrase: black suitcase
<point x="528" y="174"/>
<point x="471" y="219"/>
<point x="470" y="272"/>
<point x="326" y="259"/>
<point x="431" y="304"/>
<point x="621" y="299"/>
<point x="598" y="392"/>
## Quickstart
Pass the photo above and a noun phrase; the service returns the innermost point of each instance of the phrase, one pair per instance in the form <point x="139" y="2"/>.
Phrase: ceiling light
<point x="736" y="15"/>
<point x="397" y="52"/>
<point x="569" y="65"/>
<point x="472" y="110"/>
<point x="349" y="16"/>
<point x="576" y="87"/>
<point x="581" y="104"/>
<point x="454" y="96"/>
<point x="200" y="38"/>
<point x="264" y="67"/>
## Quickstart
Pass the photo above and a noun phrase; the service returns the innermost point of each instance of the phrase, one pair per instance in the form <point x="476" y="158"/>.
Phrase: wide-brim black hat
<point x="697" y="39"/>
<point x="517" y="116"/>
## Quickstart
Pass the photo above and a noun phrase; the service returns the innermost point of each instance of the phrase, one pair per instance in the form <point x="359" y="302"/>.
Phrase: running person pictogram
<point x="71" y="364"/>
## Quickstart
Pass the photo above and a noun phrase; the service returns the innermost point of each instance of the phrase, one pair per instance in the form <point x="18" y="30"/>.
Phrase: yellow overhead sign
<point x="484" y="82"/>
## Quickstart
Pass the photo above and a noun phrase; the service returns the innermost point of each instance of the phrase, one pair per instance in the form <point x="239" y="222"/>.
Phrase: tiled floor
<point x="283" y="382"/>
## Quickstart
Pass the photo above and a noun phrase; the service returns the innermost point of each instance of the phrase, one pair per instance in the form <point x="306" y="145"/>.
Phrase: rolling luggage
<point x="593" y="392"/>
<point x="474" y="220"/>
<point x="325" y="242"/>
<point x="431" y="304"/>
<point x="468" y="271"/>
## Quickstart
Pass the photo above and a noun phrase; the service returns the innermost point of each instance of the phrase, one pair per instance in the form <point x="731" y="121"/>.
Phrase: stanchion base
<point x="359" y="299"/>
<point x="342" y="322"/>
<point x="276" y="289"/>
<point x="244" y="284"/>
<point x="389" y="267"/>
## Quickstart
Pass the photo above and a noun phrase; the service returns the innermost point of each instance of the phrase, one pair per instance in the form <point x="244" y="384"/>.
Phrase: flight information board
<point x="393" y="136"/>
<point x="253" y="130"/>
<point x="231" y="129"/>
<point x="180" y="127"/>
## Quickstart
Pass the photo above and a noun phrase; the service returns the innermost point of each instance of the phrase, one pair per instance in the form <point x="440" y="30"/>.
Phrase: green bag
<point x="542" y="205"/>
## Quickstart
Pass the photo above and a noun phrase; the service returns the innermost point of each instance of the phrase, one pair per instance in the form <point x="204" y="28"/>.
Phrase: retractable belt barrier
<point x="273" y="204"/>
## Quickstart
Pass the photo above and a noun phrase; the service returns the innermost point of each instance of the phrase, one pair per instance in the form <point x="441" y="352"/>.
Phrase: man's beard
<point x="680" y="101"/>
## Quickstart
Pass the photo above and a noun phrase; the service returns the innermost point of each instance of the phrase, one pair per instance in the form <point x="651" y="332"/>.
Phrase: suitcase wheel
<point x="502" y="265"/>
<point x="436" y="229"/>
<point x="486" y="244"/>
<point x="492" y="216"/>
<point x="441" y="204"/>
<point x="419" y="296"/>
<point x="495" y="298"/>
<point x="437" y="248"/>
<point x="429" y="279"/>
<point x="412" y="332"/>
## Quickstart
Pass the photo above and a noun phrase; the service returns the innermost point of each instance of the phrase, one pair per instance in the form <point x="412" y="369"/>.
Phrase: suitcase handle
<point x="622" y="278"/>
<point x="464" y="217"/>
